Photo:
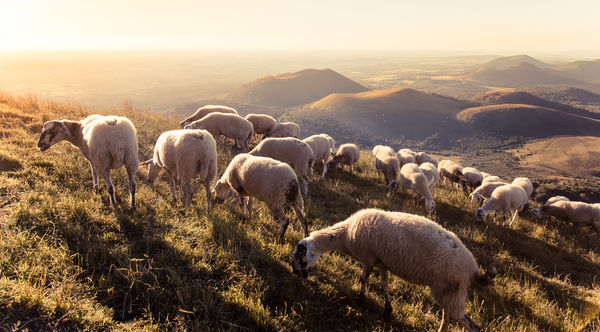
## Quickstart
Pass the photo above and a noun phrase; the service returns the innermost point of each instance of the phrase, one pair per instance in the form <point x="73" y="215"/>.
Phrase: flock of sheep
<point x="276" y="172"/>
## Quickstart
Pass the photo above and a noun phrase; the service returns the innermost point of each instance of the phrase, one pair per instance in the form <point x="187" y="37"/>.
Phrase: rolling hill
<point x="582" y="70"/>
<point x="523" y="74"/>
<point x="293" y="89"/>
<point x="565" y="94"/>
<point x="515" y="60"/>
<point x="521" y="97"/>
<point x="527" y="121"/>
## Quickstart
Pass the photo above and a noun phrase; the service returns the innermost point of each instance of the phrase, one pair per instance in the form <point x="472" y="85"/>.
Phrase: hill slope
<point x="523" y="74"/>
<point x="292" y="89"/>
<point x="514" y="60"/>
<point x="528" y="121"/>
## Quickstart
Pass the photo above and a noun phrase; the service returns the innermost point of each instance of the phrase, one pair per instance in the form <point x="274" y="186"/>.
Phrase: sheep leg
<point x="301" y="218"/>
<point x="173" y="186"/>
<point x="280" y="216"/>
<point x="94" y="176"/>
<point x="304" y="185"/>
<point x="470" y="324"/>
<point x="242" y="205"/>
<point x="207" y="190"/>
<point x="384" y="286"/>
<point x="351" y="168"/>
<point x="110" y="188"/>
<point x="249" y="207"/>
<point x="324" y="170"/>
<point x="187" y="193"/>
<point x="513" y="218"/>
<point x="442" y="320"/>
<point x="364" y="279"/>
<point x="131" y="174"/>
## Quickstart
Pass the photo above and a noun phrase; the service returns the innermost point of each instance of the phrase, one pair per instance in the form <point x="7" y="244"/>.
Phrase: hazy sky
<point x="456" y="25"/>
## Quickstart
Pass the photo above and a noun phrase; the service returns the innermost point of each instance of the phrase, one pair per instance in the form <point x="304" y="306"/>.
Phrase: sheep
<point x="265" y="179"/>
<point x="107" y="142"/>
<point x="206" y="110"/>
<point x="485" y="174"/>
<point x="450" y="170"/>
<point x="413" y="178"/>
<point x="406" y="156"/>
<point x="484" y="191"/>
<point x="262" y="123"/>
<point x="184" y="154"/>
<point x="229" y="125"/>
<point x="321" y="149"/>
<point x="331" y="143"/>
<point x="537" y="211"/>
<point x="347" y="154"/>
<point x="524" y="183"/>
<point x="381" y="151"/>
<point x="472" y="178"/>
<point x="506" y="198"/>
<point x="411" y="247"/>
<point x="423" y="157"/>
<point x="491" y="178"/>
<point x="579" y="213"/>
<point x="430" y="170"/>
<point x="284" y="129"/>
<point x="389" y="166"/>
<point x="292" y="151"/>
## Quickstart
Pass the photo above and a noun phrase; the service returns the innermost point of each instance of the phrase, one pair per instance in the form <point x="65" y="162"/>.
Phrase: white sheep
<point x="484" y="191"/>
<point x="430" y="170"/>
<point x="284" y="129"/>
<point x="472" y="178"/>
<point x="524" y="183"/>
<point x="450" y="170"/>
<point x="267" y="180"/>
<point x="491" y="178"/>
<point x="292" y="151"/>
<point x="411" y="247"/>
<point x="347" y="154"/>
<point x="321" y="148"/>
<point x="206" y="110"/>
<point x="506" y="198"/>
<point x="406" y="156"/>
<point x="184" y="154"/>
<point x="537" y="212"/>
<point x="413" y="178"/>
<point x="423" y="157"/>
<point x="228" y="125"/>
<point x="331" y="143"/>
<point x="108" y="142"/>
<point x="262" y="123"/>
<point x="579" y="213"/>
<point x="382" y="151"/>
<point x="389" y="167"/>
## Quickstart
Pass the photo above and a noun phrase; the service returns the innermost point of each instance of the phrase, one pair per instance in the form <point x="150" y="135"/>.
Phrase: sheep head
<point x="53" y="132"/>
<point x="303" y="258"/>
<point x="221" y="191"/>
<point x="480" y="214"/>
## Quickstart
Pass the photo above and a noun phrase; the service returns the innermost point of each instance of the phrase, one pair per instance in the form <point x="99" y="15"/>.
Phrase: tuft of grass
<point x="69" y="261"/>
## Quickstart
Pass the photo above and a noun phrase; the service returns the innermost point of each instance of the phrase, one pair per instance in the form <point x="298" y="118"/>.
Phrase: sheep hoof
<point x="387" y="312"/>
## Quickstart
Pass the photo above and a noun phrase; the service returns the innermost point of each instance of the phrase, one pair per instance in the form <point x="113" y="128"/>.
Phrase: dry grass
<point x="69" y="261"/>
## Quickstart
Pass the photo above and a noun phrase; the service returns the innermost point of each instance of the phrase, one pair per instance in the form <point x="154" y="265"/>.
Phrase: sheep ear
<point x="65" y="129"/>
<point x="145" y="163"/>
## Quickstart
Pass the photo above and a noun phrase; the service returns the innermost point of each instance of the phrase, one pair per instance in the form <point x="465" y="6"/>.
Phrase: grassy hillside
<point x="514" y="60"/>
<point x="523" y="74"/>
<point x="69" y="261"/>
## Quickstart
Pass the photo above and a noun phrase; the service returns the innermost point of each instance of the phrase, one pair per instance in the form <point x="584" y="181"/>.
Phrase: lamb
<point x="262" y="123"/>
<point x="413" y="178"/>
<point x="484" y="191"/>
<point x="389" y="166"/>
<point x="206" y="110"/>
<point x="284" y="129"/>
<point x="321" y="148"/>
<point x="430" y="170"/>
<point x="506" y="198"/>
<point x="331" y="143"/>
<point x="406" y="156"/>
<point x="107" y="142"/>
<point x="292" y="151"/>
<point x="423" y="157"/>
<point x="524" y="183"/>
<point x="450" y="170"/>
<point x="472" y="178"/>
<point x="265" y="179"/>
<point x="491" y="178"/>
<point x="184" y="154"/>
<point x="347" y="154"/>
<point x="579" y="213"/>
<point x="228" y="125"/>
<point x="412" y="247"/>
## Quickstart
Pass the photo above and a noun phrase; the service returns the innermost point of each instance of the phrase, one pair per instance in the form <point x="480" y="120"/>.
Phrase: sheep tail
<point x="486" y="278"/>
<point x="293" y="191"/>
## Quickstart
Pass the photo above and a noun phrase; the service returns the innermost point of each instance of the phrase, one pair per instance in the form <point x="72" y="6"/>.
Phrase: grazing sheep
<point x="491" y="178"/>
<point x="406" y="156"/>
<point x="506" y="198"/>
<point x="347" y="154"/>
<point x="412" y="247"/>
<point x="265" y="179"/>
<point x="290" y="150"/>
<point x="413" y="178"/>
<point x="284" y="129"/>
<point x="389" y="166"/>
<point x="537" y="212"/>
<point x="484" y="191"/>
<point x="524" y="183"/>
<point x="381" y="151"/>
<point x="262" y="123"/>
<point x="579" y="213"/>
<point x="331" y="143"/>
<point x="423" y="157"/>
<point x="206" y="110"/>
<point x="430" y="170"/>
<point x="184" y="154"/>
<point x="108" y="142"/>
<point x="321" y="149"/>
<point x="472" y="178"/>
<point x="450" y="170"/>
<point x="485" y="174"/>
<point x="228" y="125"/>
